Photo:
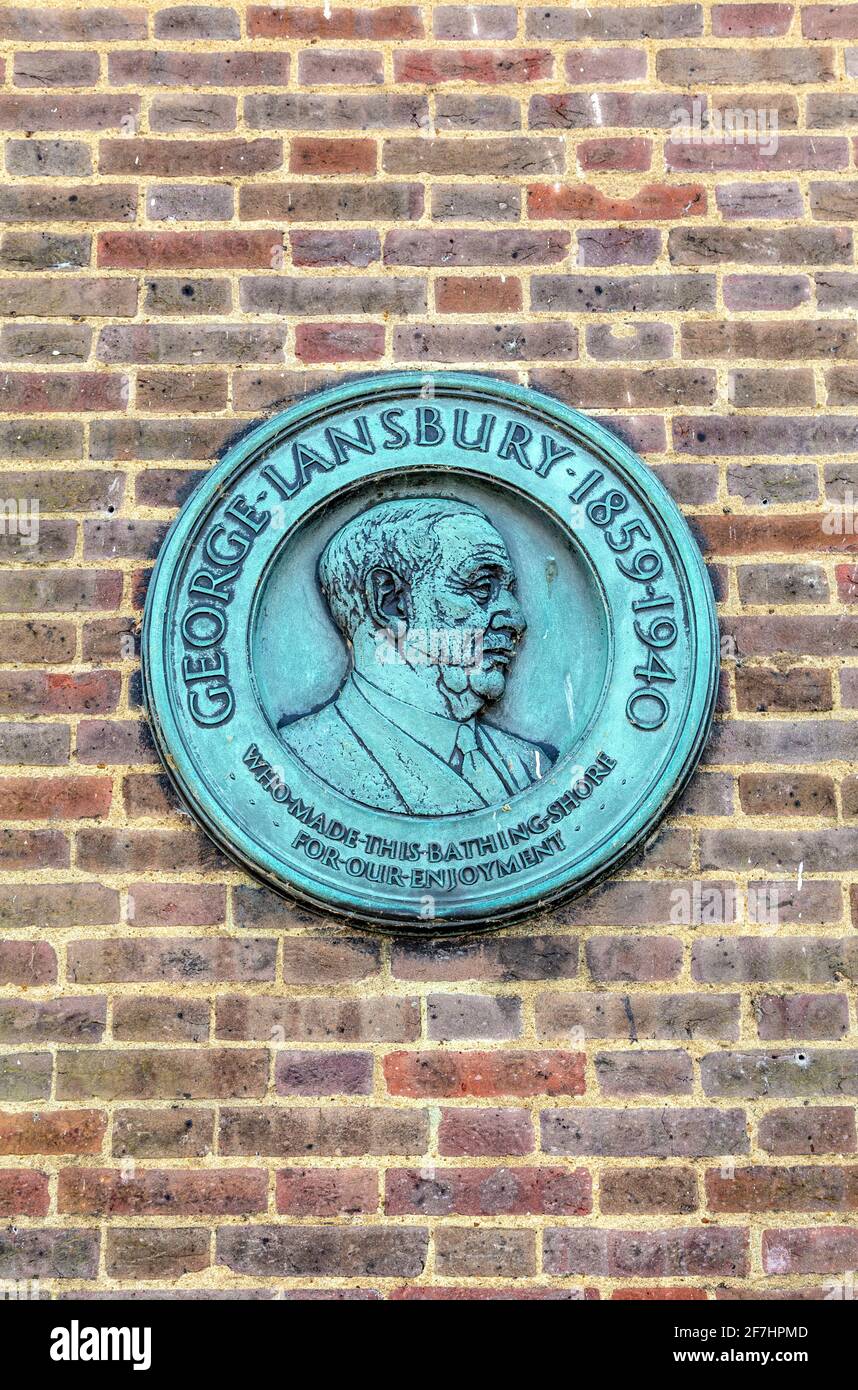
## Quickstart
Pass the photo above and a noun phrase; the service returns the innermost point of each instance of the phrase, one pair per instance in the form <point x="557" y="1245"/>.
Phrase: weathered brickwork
<point x="208" y="210"/>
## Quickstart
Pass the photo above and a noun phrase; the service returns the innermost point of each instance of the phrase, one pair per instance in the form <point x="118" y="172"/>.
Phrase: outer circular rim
<point x="258" y="441"/>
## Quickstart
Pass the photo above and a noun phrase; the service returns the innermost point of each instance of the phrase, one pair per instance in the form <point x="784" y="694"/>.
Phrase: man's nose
<point x="509" y="614"/>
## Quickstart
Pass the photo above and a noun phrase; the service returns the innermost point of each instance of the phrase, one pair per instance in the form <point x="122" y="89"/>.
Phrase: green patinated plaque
<point x="431" y="651"/>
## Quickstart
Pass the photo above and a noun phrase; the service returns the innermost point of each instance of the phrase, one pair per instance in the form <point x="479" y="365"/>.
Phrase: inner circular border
<point x="251" y="450"/>
<point x="429" y="472"/>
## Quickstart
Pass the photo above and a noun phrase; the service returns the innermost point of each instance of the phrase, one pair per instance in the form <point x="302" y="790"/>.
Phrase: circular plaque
<point x="429" y="650"/>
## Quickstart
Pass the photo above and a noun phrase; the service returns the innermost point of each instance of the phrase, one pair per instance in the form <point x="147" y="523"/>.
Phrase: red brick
<point x="171" y="390"/>
<point x="820" y="1250"/>
<point x="431" y="66"/>
<point x="197" y="22"/>
<point x="67" y="25"/>
<point x="197" y="250"/>
<point x="657" y="21"/>
<point x="433" y="1191"/>
<point x="772" y="794"/>
<point x="44" y="68"/>
<point x="663" y="1072"/>
<point x="485" y="1133"/>
<point x="587" y="65"/>
<point x="818" y="1016"/>
<point x="52" y="1132"/>
<point x="141" y="851"/>
<point x="666" y="1132"/>
<point x="634" y="958"/>
<point x="96" y="112"/>
<point x="760" y="1188"/>
<point x="502" y="958"/>
<point x="800" y="1129"/>
<point x="339" y="342"/>
<point x="162" y="68"/>
<point x="146" y="1018"/>
<point x="163" y="1133"/>
<point x="145" y="1253"/>
<point x="27" y="963"/>
<point x="156" y="1074"/>
<point x="632" y="154"/>
<point x="110" y="1192"/>
<point x="322" y="1073"/>
<point x="648" y="1254"/>
<point x="353" y="67"/>
<point x="473" y="1293"/>
<point x="33" y="849"/>
<point x="829" y="21"/>
<point x="483" y="158"/>
<point x="345" y="1252"/>
<point x="663" y="1190"/>
<point x="176" y="904"/>
<point x="333" y="248"/>
<point x="65" y="1019"/>
<point x="38" y="692"/>
<point x="73" y="391"/>
<point x="331" y="202"/>
<point x="311" y="156"/>
<point x="23" y="1193"/>
<point x="790" y="533"/>
<point x="654" y="202"/>
<point x="327" y="1191"/>
<point x="55" y="798"/>
<point x="752" y="21"/>
<point x="178" y="114"/>
<point x="190" y="158"/>
<point x="164" y="959"/>
<point x="484" y="1073"/>
<point x="468" y="22"/>
<point x="59" y="904"/>
<point x="675" y="1294"/>
<point x="741" y="65"/>
<point x="477" y="294"/>
<point x="313" y="22"/>
<point x="318" y="1019"/>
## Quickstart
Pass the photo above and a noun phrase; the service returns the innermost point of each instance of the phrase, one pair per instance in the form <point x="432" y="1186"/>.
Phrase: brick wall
<point x="209" y="210"/>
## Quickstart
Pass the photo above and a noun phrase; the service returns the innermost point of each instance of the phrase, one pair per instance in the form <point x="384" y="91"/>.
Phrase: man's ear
<point x="386" y="597"/>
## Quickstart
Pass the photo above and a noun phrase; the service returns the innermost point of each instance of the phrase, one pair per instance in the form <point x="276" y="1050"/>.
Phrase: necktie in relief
<point x="473" y="765"/>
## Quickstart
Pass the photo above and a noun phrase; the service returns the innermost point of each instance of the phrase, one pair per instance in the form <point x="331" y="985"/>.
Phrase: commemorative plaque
<point x="429" y="651"/>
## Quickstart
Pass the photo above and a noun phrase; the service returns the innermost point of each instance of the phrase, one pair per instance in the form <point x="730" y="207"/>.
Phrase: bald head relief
<point x="434" y="575"/>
